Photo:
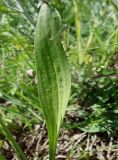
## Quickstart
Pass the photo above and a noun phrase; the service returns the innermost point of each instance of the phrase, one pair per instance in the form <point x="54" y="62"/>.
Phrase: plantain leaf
<point x="54" y="79"/>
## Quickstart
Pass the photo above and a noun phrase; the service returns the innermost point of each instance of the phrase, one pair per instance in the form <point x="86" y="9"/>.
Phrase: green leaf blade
<point x="54" y="79"/>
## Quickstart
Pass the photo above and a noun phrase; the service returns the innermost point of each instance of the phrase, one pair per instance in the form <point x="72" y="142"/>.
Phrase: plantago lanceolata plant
<point x="54" y="80"/>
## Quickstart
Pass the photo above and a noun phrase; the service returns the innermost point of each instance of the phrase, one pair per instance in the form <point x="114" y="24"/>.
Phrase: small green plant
<point x="54" y="80"/>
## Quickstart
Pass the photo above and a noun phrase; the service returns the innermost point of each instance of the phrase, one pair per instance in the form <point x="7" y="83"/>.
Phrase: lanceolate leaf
<point x="54" y="80"/>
